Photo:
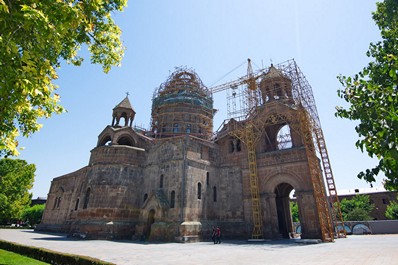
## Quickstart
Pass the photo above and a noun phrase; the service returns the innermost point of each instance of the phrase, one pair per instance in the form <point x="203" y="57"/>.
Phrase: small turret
<point x="123" y="110"/>
<point x="275" y="85"/>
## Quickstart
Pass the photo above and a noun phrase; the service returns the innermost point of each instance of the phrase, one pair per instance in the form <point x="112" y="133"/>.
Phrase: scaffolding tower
<point x="182" y="105"/>
<point x="244" y="99"/>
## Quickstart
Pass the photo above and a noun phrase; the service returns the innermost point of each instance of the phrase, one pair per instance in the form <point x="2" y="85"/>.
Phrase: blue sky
<point x="326" y="38"/>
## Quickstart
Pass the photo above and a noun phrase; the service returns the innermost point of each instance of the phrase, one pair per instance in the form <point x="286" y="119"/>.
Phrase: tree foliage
<point x="32" y="215"/>
<point x="35" y="35"/>
<point x="372" y="95"/>
<point x="392" y="210"/>
<point x="357" y="209"/>
<point x="294" y="211"/>
<point x="16" y="179"/>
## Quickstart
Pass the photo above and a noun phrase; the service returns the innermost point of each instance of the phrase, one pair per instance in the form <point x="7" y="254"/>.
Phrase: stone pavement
<point x="361" y="250"/>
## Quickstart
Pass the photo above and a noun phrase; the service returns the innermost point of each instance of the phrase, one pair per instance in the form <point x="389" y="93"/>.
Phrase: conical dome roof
<point x="274" y="73"/>
<point x="125" y="104"/>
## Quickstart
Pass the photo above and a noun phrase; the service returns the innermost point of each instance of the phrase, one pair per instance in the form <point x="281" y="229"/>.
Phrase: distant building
<point x="378" y="196"/>
<point x="38" y="200"/>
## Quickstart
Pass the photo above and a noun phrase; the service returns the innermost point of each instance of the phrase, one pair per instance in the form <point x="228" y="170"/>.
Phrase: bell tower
<point x="125" y="111"/>
<point x="276" y="86"/>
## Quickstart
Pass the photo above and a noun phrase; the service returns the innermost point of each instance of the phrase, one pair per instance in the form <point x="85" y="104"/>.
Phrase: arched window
<point x="188" y="130"/>
<point x="214" y="194"/>
<point x="234" y="145"/>
<point x="86" y="198"/>
<point x="77" y="204"/>
<point x="207" y="178"/>
<point x="172" y="199"/>
<point x="199" y="191"/>
<point x="106" y="141"/>
<point x="125" y="140"/>
<point x="145" y="196"/>
<point x="124" y="117"/>
<point x="161" y="181"/>
<point x="283" y="138"/>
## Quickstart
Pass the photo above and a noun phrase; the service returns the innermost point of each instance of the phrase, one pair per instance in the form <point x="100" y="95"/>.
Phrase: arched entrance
<point x="150" y="221"/>
<point x="282" y="199"/>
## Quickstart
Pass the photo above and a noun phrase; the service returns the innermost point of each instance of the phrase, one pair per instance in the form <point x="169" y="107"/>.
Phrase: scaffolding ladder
<point x="256" y="209"/>
<point x="316" y="177"/>
<point x="337" y="217"/>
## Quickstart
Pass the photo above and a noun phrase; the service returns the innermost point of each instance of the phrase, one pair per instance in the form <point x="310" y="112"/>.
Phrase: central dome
<point x="182" y="105"/>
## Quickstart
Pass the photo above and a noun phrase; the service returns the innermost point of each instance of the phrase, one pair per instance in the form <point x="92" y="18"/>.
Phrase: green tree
<point x="16" y="179"/>
<point x="357" y="209"/>
<point x="35" y="36"/>
<point x="294" y="211"/>
<point x="32" y="215"/>
<point x="373" y="100"/>
<point x="392" y="210"/>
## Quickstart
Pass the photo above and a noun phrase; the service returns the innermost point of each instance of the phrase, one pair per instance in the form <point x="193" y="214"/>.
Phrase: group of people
<point x="216" y="235"/>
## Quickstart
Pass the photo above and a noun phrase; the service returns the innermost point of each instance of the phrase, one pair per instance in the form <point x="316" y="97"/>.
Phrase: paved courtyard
<point x="361" y="250"/>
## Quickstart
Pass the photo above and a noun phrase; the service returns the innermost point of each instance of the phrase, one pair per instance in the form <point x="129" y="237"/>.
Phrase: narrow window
<point x="172" y="199"/>
<point x="59" y="202"/>
<point x="55" y="202"/>
<point x="207" y="178"/>
<point x="77" y="204"/>
<point x="238" y="146"/>
<point x="214" y="194"/>
<point x="199" y="191"/>
<point x="175" y="127"/>
<point x="145" y="196"/>
<point x="161" y="181"/>
<point x="86" y="198"/>
<point x="231" y="146"/>
<point x="188" y="128"/>
<point x="277" y="90"/>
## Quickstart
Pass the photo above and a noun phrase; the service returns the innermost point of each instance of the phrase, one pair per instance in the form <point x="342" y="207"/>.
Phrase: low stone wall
<point x="384" y="227"/>
<point x="375" y="227"/>
<point x="365" y="227"/>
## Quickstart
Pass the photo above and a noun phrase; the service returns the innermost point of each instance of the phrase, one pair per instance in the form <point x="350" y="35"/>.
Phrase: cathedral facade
<point x="177" y="180"/>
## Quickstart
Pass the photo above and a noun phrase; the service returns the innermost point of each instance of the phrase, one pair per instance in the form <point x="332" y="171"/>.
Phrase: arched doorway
<point x="282" y="199"/>
<point x="150" y="221"/>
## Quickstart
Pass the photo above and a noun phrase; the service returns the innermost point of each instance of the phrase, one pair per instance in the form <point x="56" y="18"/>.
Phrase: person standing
<point x="213" y="235"/>
<point x="218" y="235"/>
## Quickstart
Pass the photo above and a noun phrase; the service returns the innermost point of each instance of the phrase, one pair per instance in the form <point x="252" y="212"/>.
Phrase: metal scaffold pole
<point x="249" y="127"/>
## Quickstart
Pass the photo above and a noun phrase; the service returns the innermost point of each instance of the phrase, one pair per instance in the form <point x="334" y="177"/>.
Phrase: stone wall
<point x="117" y="155"/>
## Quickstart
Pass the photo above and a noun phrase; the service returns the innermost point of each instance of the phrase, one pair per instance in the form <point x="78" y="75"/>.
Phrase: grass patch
<point x="52" y="257"/>
<point x="11" y="258"/>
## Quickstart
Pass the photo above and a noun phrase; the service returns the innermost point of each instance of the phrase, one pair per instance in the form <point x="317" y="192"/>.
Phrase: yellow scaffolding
<point x="249" y="128"/>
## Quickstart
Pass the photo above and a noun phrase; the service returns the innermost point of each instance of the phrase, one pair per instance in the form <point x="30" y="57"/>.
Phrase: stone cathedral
<point x="178" y="179"/>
